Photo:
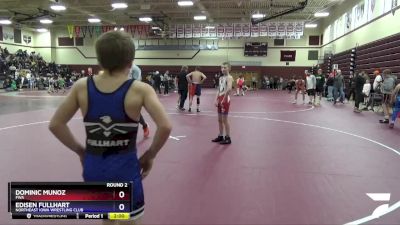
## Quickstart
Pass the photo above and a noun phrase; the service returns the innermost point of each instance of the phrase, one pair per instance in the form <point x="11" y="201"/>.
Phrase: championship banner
<point x="238" y="30"/>
<point x="213" y="32"/>
<point x="180" y="31"/>
<point x="287" y="56"/>
<point x="272" y="28"/>
<point x="263" y="28"/>
<point x="172" y="31"/>
<point x="97" y="30"/>
<point x="77" y="31"/>
<point x="205" y="31"/>
<point x="290" y="29"/>
<point x="91" y="31"/>
<point x="196" y="30"/>
<point x="220" y="30"/>
<point x="84" y="30"/>
<point x="281" y="29"/>
<point x="70" y="30"/>
<point x="246" y="30"/>
<point x="188" y="31"/>
<point x="255" y="30"/>
<point x="229" y="30"/>
<point x="299" y="29"/>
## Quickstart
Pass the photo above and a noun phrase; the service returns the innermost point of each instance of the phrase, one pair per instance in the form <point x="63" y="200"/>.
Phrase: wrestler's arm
<point x="189" y="78"/>
<point x="203" y="77"/>
<point x="58" y="123"/>
<point x="228" y="88"/>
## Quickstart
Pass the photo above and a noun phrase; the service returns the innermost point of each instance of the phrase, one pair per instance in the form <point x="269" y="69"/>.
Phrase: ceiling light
<point x="94" y="20"/>
<point x="46" y="21"/>
<point x="199" y="17"/>
<point x="145" y="19"/>
<point x="119" y="5"/>
<point x="5" y="22"/>
<point x="258" y="16"/>
<point x="155" y="28"/>
<point x="42" y="30"/>
<point x="58" y="7"/>
<point x="321" y="14"/>
<point x="209" y="27"/>
<point x="311" y="25"/>
<point x="185" y="3"/>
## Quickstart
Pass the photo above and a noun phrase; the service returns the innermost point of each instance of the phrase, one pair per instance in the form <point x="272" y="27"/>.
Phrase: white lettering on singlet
<point x="108" y="143"/>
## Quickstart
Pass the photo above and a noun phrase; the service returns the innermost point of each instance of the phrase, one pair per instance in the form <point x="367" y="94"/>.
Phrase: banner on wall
<point x="172" y="31"/>
<point x="220" y="31"/>
<point x="229" y="30"/>
<point x="288" y="56"/>
<point x="188" y="31"/>
<point x="197" y="30"/>
<point x="272" y="29"/>
<point x="263" y="27"/>
<point x="180" y="31"/>
<point x="238" y="30"/>
<point x="255" y="30"/>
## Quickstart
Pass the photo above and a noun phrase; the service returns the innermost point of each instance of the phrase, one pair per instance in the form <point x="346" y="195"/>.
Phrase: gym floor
<point x="287" y="164"/>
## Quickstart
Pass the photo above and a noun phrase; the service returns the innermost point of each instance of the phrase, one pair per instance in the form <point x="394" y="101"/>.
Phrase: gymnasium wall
<point x="229" y="50"/>
<point x="375" y="28"/>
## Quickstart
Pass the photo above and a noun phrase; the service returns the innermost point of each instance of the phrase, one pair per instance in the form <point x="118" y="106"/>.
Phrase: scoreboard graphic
<point x="72" y="200"/>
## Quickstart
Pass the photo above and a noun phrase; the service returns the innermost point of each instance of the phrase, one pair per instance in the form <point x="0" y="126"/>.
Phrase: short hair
<point x="227" y="64"/>
<point x="387" y="72"/>
<point x="115" y="50"/>
<point x="197" y="68"/>
<point x="184" y="68"/>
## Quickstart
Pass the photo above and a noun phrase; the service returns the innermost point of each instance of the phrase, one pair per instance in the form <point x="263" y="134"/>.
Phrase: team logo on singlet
<point x="108" y="126"/>
<point x="108" y="133"/>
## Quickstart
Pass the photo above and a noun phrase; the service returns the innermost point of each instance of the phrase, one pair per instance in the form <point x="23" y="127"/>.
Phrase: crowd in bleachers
<point x="23" y="69"/>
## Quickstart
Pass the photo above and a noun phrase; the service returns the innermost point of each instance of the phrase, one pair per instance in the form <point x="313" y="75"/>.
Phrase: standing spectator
<point x="338" y="86"/>
<point x="166" y="83"/>
<point x="320" y="78"/>
<point x="311" y="84"/>
<point x="387" y="87"/>
<point x="182" y="87"/>
<point x="254" y="82"/>
<point x="395" y="100"/>
<point x="359" y="82"/>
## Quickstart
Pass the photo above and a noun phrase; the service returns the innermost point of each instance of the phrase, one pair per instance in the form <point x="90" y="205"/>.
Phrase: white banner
<point x="172" y="31"/>
<point x="229" y="30"/>
<point x="246" y="30"/>
<point x="180" y="31"/>
<point x="196" y="30"/>
<point x="290" y="30"/>
<point x="238" y="30"/>
<point x="188" y="31"/>
<point x="220" y="30"/>
<point x="272" y="29"/>
<point x="263" y="29"/>
<point x="255" y="30"/>
<point x="204" y="31"/>
<point x="212" y="31"/>
<point x="281" y="29"/>
<point x="299" y="29"/>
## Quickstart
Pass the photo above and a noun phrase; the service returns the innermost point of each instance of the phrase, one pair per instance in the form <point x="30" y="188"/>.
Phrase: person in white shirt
<point x="311" y="84"/>
<point x="378" y="80"/>
<point x="366" y="91"/>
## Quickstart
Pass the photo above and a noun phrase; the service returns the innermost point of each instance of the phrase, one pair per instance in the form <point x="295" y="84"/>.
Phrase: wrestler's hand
<point x="216" y="103"/>
<point x="146" y="163"/>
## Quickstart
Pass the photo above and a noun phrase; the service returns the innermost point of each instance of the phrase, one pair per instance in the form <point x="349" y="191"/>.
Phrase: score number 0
<point x="121" y="206"/>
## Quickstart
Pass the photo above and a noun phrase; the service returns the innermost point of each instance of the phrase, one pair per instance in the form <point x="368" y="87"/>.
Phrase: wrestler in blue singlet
<point x="111" y="142"/>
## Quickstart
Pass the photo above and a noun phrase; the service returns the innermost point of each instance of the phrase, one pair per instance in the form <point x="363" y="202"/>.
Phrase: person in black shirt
<point x="182" y="87"/>
<point x="359" y="82"/>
